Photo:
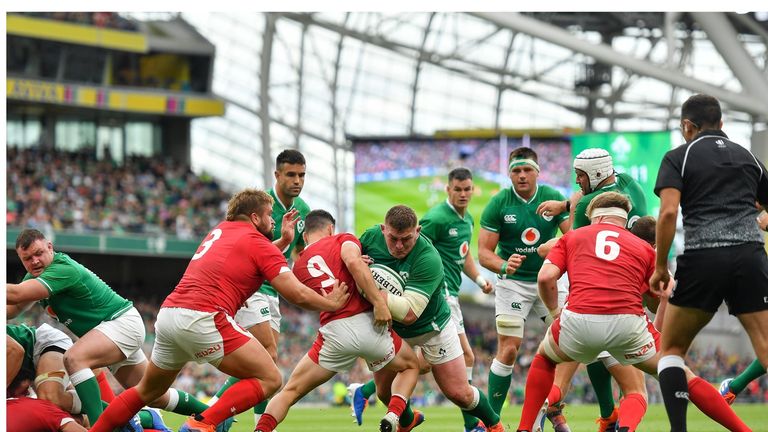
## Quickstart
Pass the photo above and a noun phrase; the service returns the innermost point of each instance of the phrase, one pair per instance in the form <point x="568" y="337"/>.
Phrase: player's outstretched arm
<point x="665" y="233"/>
<point x="471" y="270"/>
<point x="28" y="291"/>
<point x="299" y="294"/>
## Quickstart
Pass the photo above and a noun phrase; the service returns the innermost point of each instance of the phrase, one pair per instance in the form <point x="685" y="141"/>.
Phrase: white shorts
<point x="260" y="308"/>
<point x="439" y="347"/>
<point x="184" y="335"/>
<point x="46" y="337"/>
<point x="628" y="338"/>
<point x="127" y="332"/>
<point x="456" y="316"/>
<point x="518" y="298"/>
<point x="340" y="342"/>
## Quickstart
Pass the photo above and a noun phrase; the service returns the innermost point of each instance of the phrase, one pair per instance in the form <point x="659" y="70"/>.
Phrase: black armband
<point x="567" y="206"/>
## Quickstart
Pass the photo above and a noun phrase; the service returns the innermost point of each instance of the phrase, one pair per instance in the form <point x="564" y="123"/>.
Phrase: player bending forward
<point x="605" y="313"/>
<point x="352" y="331"/>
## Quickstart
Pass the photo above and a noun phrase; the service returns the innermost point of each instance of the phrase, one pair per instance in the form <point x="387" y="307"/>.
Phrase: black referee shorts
<point x="736" y="274"/>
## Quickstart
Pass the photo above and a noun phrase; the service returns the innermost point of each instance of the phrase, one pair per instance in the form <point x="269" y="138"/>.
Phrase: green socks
<point x="407" y="417"/>
<point x="499" y="379"/>
<point x="187" y="404"/>
<point x="601" y="382"/>
<point x="90" y="395"/>
<point x="261" y="407"/>
<point x="753" y="371"/>
<point x="368" y="389"/>
<point x="227" y="384"/>
<point x="483" y="410"/>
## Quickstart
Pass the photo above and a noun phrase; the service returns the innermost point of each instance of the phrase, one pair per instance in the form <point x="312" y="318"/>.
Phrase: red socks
<point x="397" y="405"/>
<point x="242" y="395"/>
<point x="119" y="411"/>
<point x="709" y="401"/>
<point x="555" y="394"/>
<point x="267" y="423"/>
<point x="107" y="395"/>
<point x="541" y="375"/>
<point x="632" y="408"/>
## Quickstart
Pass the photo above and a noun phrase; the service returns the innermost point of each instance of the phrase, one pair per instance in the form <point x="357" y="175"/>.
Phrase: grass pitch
<point x="581" y="418"/>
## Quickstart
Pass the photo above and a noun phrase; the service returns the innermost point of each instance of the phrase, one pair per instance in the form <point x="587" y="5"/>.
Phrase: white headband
<point x="609" y="211"/>
<point x="517" y="162"/>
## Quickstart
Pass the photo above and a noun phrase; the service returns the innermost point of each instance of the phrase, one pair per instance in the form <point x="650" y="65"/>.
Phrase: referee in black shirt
<point x="716" y="182"/>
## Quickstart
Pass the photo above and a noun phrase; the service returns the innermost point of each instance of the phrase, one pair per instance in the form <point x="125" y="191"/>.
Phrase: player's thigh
<point x="94" y="349"/>
<point x="250" y="360"/>
<point x="405" y="358"/>
<point x="681" y="325"/>
<point x="306" y="376"/>
<point x="631" y="379"/>
<point x="755" y="325"/>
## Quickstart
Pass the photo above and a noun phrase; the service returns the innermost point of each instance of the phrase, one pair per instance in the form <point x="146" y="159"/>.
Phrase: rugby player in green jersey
<point x="510" y="232"/>
<point x="110" y="329"/>
<point x="449" y="226"/>
<point x="595" y="175"/>
<point x="421" y="315"/>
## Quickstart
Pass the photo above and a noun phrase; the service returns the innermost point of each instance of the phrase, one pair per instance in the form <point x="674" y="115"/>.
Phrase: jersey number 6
<point x="607" y="249"/>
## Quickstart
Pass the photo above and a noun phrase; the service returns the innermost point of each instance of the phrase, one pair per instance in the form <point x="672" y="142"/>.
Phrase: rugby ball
<point x="387" y="279"/>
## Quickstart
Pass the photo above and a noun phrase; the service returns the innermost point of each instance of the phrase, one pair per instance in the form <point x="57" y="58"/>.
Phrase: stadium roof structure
<point x="310" y="80"/>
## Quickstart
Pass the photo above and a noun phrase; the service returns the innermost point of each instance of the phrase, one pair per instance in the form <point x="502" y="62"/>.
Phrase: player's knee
<point x="462" y="396"/>
<point x="272" y="382"/>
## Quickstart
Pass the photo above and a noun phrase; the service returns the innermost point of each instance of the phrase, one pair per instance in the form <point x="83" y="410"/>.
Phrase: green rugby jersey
<point x="450" y="235"/>
<point x="25" y="336"/>
<point x="520" y="229"/>
<point x="278" y="211"/>
<point x="422" y="271"/>
<point x="624" y="185"/>
<point x="78" y="298"/>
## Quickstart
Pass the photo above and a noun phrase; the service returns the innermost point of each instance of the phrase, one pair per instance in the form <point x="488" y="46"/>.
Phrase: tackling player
<point x="195" y="321"/>
<point x="261" y="313"/>
<point x="608" y="268"/>
<point x="355" y="330"/>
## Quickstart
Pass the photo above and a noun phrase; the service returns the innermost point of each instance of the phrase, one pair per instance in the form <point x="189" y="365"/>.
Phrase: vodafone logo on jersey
<point x="530" y="236"/>
<point x="464" y="249"/>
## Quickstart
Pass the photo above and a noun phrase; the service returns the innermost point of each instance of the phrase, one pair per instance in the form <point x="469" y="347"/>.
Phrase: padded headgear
<point x="597" y="163"/>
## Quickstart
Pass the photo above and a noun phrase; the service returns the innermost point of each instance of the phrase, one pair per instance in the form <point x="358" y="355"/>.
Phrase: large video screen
<point x="414" y="172"/>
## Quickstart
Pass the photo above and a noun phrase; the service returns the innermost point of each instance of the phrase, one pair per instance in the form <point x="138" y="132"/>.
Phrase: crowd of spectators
<point x="299" y="329"/>
<point x="477" y="155"/>
<point x="99" y="19"/>
<point x="55" y="190"/>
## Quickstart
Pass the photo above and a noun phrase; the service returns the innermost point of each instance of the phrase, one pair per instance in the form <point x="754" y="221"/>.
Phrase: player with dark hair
<point x="716" y="182"/>
<point x="360" y="328"/>
<point x="110" y="329"/>
<point x="510" y="233"/>
<point x="195" y="321"/>
<point x="421" y="315"/>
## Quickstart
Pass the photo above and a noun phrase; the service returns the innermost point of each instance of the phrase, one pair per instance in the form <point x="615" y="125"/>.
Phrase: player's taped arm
<point x="411" y="301"/>
<point x="547" y="281"/>
<point x="470" y="269"/>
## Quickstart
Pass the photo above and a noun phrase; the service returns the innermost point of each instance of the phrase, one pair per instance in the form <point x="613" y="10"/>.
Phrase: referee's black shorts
<point x="736" y="274"/>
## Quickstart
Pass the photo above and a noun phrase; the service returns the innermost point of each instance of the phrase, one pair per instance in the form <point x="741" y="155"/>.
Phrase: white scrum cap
<point x="597" y="163"/>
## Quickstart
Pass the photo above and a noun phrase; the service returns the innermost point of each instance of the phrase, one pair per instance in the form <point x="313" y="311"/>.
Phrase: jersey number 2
<point x="607" y="249"/>
<point x="215" y="234"/>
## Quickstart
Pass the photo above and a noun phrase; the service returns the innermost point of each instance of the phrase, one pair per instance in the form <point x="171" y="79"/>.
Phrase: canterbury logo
<point x="681" y="395"/>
